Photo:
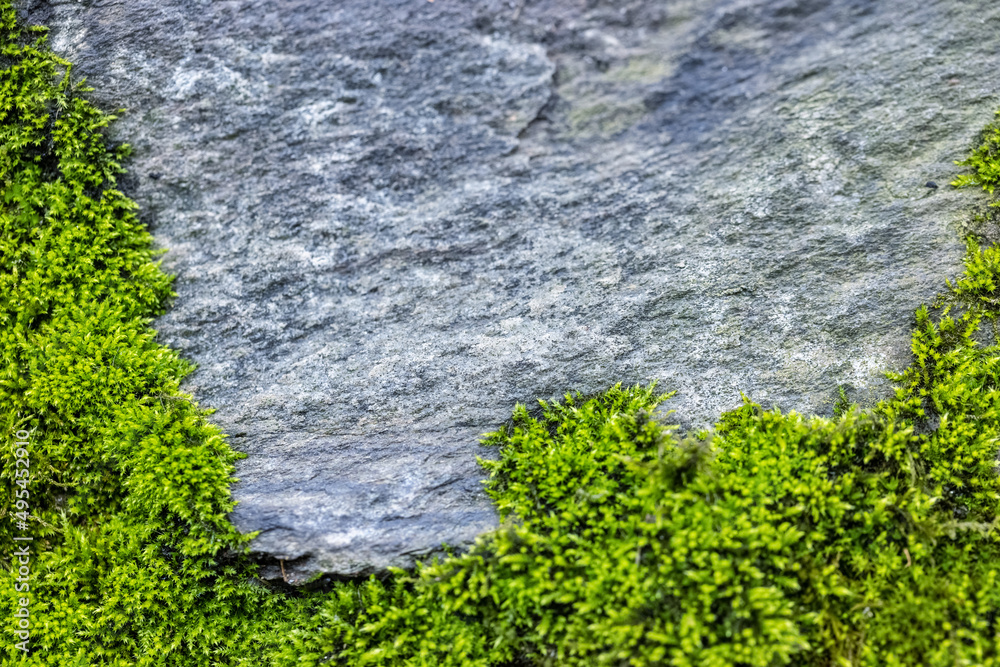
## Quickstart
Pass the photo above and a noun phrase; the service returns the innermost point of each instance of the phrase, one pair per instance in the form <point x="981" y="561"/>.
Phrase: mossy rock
<point x="865" y="539"/>
<point x="393" y="222"/>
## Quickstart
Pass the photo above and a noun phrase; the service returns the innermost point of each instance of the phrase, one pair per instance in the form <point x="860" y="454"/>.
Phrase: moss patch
<point x="984" y="161"/>
<point x="867" y="539"/>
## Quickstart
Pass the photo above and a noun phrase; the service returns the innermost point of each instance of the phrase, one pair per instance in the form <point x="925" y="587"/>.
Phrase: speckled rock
<point x="393" y="219"/>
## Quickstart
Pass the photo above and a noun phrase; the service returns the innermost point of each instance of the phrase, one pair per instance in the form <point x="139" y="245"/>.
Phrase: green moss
<point x="984" y="161"/>
<point x="867" y="539"/>
<point x="130" y="485"/>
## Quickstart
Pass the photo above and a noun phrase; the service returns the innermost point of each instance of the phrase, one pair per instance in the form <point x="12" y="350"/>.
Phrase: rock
<point x="392" y="220"/>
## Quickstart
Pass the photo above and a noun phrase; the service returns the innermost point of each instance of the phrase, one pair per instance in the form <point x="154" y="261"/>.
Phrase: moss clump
<point x="984" y="161"/>
<point x="867" y="539"/>
<point x="864" y="540"/>
<point x="130" y="485"/>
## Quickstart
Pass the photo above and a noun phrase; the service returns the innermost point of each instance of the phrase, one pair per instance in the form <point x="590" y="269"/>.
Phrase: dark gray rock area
<point x="391" y="220"/>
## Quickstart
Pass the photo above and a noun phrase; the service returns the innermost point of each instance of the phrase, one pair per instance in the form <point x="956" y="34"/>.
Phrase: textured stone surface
<point x="392" y="220"/>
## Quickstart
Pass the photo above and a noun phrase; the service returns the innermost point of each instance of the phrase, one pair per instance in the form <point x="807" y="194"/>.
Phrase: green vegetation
<point x="866" y="539"/>
<point x="984" y="161"/>
<point x="129" y="487"/>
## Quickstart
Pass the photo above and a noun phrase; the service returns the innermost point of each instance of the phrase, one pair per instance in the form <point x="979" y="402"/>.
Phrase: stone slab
<point x="392" y="220"/>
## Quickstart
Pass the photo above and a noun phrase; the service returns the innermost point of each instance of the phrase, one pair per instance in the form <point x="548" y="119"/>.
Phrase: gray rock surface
<point x="393" y="219"/>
